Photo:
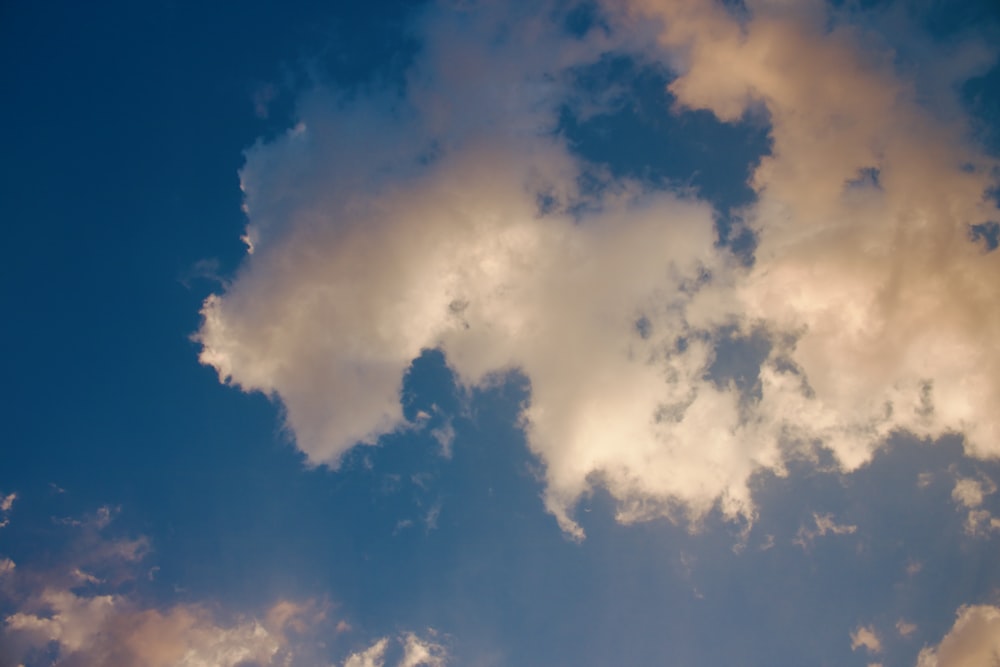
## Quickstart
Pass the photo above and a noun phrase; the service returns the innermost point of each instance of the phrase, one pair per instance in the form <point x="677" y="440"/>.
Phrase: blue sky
<point x="657" y="332"/>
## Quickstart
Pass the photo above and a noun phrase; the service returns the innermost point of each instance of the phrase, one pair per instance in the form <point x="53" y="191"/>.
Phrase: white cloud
<point x="354" y="277"/>
<point x="416" y="652"/>
<point x="382" y="226"/>
<point x="904" y="628"/>
<point x="374" y="656"/>
<point x="72" y="617"/>
<point x="84" y="577"/>
<point x="7" y="502"/>
<point x="973" y="641"/>
<point x="419" y="652"/>
<point x="109" y="629"/>
<point x="824" y="524"/>
<point x="969" y="493"/>
<point x="863" y="220"/>
<point x="866" y="637"/>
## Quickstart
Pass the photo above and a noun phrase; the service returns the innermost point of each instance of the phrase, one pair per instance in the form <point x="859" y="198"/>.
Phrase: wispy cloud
<point x="823" y="524"/>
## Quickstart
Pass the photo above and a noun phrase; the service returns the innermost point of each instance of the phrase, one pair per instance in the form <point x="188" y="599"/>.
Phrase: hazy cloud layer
<point x="453" y="217"/>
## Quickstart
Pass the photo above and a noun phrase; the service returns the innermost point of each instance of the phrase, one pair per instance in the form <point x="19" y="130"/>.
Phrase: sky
<point x="478" y="333"/>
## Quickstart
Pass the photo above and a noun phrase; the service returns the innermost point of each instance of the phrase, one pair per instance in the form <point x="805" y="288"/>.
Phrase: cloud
<point x="980" y="523"/>
<point x="904" y="628"/>
<point x="419" y="652"/>
<point x="863" y="215"/>
<point x="373" y="656"/>
<point x="973" y="640"/>
<point x="454" y="217"/>
<point x="109" y="629"/>
<point x="969" y="493"/>
<point x="491" y="253"/>
<point x="6" y="504"/>
<point x="416" y="652"/>
<point x="824" y="524"/>
<point x="72" y="618"/>
<point x="867" y="638"/>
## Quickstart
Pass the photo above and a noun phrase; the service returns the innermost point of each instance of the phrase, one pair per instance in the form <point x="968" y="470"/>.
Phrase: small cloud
<point x="913" y="567"/>
<point x="262" y="98"/>
<point x="904" y="628"/>
<point x="824" y="525"/>
<point x="970" y="492"/>
<point x="421" y="479"/>
<point x="419" y="652"/>
<point x="445" y="436"/>
<point x="6" y="502"/>
<point x="431" y="518"/>
<point x="979" y="523"/>
<point x="83" y="577"/>
<point x="373" y="656"/>
<point x="867" y="638"/>
<point x="99" y="520"/>
<point x="6" y="566"/>
<point x="416" y="652"/>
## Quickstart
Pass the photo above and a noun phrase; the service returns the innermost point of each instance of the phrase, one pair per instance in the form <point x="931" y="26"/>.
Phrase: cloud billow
<point x="453" y="216"/>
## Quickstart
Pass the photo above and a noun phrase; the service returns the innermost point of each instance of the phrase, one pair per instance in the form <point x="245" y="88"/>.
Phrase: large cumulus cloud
<point x="452" y="216"/>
